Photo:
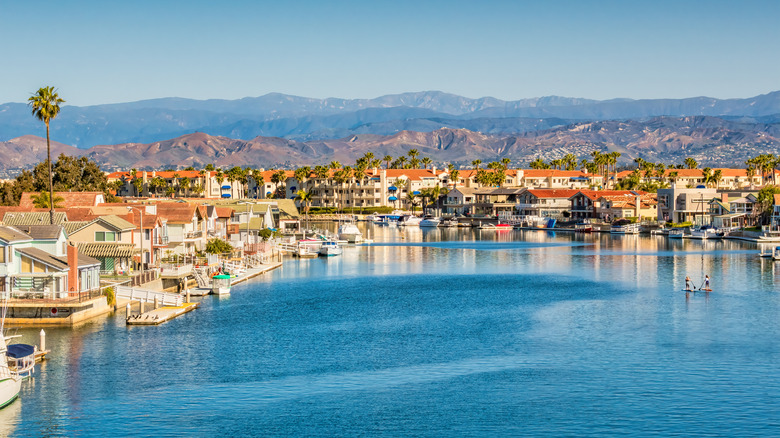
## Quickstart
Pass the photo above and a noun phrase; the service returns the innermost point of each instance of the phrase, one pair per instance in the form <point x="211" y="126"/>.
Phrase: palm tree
<point x="305" y="198"/>
<point x="707" y="174"/>
<point x="426" y="161"/>
<point x="476" y="163"/>
<point x="45" y="105"/>
<point x="42" y="201"/>
<point x="334" y="165"/>
<point x="387" y="159"/>
<point x="454" y="177"/>
<point x="717" y="176"/>
<point x="538" y="163"/>
<point x="690" y="163"/>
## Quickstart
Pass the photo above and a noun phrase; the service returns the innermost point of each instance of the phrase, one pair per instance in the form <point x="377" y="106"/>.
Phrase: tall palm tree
<point x="426" y="161"/>
<point x="690" y="163"/>
<point x="305" y="198"/>
<point x="476" y="163"/>
<point x="45" y="104"/>
<point x="387" y="159"/>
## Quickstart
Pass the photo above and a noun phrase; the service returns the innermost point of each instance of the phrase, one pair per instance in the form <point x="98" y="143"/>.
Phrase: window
<point x="105" y="236"/>
<point x="2" y="254"/>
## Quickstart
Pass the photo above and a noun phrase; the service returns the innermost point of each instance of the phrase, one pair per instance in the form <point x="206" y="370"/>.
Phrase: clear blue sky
<point x="104" y="52"/>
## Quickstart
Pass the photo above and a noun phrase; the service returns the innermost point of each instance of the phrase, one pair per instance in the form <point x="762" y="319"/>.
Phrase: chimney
<point x="433" y="170"/>
<point x="73" y="270"/>
<point x="374" y="171"/>
<point x="638" y="203"/>
<point x="724" y="197"/>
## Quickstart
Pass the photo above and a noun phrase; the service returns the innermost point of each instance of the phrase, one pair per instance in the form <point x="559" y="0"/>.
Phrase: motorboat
<point x="330" y="248"/>
<point x="10" y="382"/>
<point x="220" y="284"/>
<point x="495" y="227"/>
<point x="449" y="223"/>
<point x="409" y="220"/>
<point x="624" y="227"/>
<point x="703" y="233"/>
<point x="583" y="227"/>
<point x="430" y="222"/>
<point x="350" y="232"/>
<point x="676" y="233"/>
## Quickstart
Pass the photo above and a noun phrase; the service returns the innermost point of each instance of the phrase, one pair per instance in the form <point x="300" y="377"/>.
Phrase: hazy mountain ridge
<point x="308" y="119"/>
<point x="710" y="140"/>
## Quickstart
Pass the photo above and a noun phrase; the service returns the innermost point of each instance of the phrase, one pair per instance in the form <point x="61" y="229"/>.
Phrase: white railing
<point x="148" y="296"/>
<point x="169" y="270"/>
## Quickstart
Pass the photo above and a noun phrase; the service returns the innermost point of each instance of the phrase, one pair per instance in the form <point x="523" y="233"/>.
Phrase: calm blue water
<point x="440" y="333"/>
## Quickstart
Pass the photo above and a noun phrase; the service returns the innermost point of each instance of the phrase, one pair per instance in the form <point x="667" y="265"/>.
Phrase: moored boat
<point x="583" y="227"/>
<point x="622" y="227"/>
<point x="430" y="222"/>
<point x="409" y="220"/>
<point x="676" y="233"/>
<point x="10" y="382"/>
<point x="350" y="232"/>
<point x="495" y="227"/>
<point x="220" y="284"/>
<point x="703" y="233"/>
<point x="330" y="248"/>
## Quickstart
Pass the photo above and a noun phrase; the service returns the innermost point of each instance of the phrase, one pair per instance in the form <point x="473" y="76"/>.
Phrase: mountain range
<point x="710" y="140"/>
<point x="306" y="119"/>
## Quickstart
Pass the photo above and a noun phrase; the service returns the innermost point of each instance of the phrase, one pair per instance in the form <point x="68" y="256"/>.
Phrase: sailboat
<point x="10" y="382"/>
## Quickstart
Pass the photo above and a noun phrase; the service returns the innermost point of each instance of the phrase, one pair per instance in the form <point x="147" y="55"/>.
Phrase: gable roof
<point x="596" y="194"/>
<point x="44" y="257"/>
<point x="224" y="212"/>
<point x="11" y="234"/>
<point x="32" y="218"/>
<point x="177" y="212"/>
<point x="42" y="232"/>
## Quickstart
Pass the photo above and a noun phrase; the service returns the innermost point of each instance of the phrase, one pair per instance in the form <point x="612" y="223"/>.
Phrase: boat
<point x="583" y="227"/>
<point x="10" y="382"/>
<point x="430" y="222"/>
<point x="624" y="227"/>
<point x="495" y="227"/>
<point x="349" y="231"/>
<point x="703" y="233"/>
<point x="449" y="223"/>
<point x="409" y="220"/>
<point x="330" y="248"/>
<point x="21" y="359"/>
<point x="676" y="233"/>
<point x="220" y="284"/>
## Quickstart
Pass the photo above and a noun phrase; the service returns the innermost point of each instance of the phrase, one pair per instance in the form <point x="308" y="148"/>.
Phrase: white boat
<point x="330" y="248"/>
<point x="625" y="228"/>
<point x="21" y="359"/>
<point x="220" y="284"/>
<point x="10" y="382"/>
<point x="703" y="233"/>
<point x="350" y="232"/>
<point x="409" y="220"/>
<point x="583" y="227"/>
<point x="676" y="233"/>
<point x="430" y="222"/>
<point x="449" y="223"/>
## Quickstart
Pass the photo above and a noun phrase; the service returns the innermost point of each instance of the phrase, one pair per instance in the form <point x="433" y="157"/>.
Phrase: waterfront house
<point x="634" y="205"/>
<point x="186" y="224"/>
<point x="585" y="204"/>
<point x="459" y="200"/>
<point x="558" y="179"/>
<point x="680" y="205"/>
<point x="553" y="203"/>
<point x="496" y="201"/>
<point x="32" y="218"/>
<point x="108" y="239"/>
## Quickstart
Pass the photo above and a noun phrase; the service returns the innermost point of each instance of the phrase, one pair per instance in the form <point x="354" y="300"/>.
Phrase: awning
<point x="107" y="249"/>
<point x="392" y="198"/>
<point x="225" y="187"/>
<point x="416" y="192"/>
<point x="226" y="195"/>
<point x="392" y="188"/>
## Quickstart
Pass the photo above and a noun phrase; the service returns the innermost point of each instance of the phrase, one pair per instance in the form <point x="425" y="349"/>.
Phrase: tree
<point x="45" y="105"/>
<point x="218" y="246"/>
<point x="690" y="163"/>
<point x="476" y="163"/>
<point x="42" y="201"/>
<point x="278" y="178"/>
<point x="717" y="176"/>
<point x="426" y="162"/>
<point x="387" y="159"/>
<point x="304" y="198"/>
<point x="538" y="163"/>
<point x="766" y="199"/>
<point x="454" y="177"/>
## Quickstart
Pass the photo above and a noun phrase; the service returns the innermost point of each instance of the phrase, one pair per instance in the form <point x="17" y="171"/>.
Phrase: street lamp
<point x="142" y="236"/>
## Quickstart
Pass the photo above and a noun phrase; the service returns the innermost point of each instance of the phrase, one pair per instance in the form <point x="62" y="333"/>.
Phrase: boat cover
<point x="18" y="351"/>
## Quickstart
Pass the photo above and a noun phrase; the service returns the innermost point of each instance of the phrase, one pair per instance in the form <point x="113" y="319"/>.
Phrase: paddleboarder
<point x="706" y="282"/>
<point x="687" y="283"/>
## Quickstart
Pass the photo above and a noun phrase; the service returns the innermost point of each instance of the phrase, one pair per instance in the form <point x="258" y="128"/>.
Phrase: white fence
<point x="148" y="296"/>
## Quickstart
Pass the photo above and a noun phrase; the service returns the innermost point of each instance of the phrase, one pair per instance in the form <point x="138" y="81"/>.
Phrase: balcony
<point x="193" y="235"/>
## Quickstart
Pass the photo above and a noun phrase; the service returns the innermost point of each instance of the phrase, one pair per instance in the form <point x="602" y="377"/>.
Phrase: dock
<point x="161" y="315"/>
<point x="254" y="272"/>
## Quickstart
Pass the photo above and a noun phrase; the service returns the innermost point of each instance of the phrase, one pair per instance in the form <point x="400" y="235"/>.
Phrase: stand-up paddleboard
<point x="697" y="290"/>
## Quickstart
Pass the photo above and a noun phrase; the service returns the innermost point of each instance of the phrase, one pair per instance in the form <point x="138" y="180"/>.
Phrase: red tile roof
<point x="596" y="194"/>
<point x="70" y="199"/>
<point x="553" y="193"/>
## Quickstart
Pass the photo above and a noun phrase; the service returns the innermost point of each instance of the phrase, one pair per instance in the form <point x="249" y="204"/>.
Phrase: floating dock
<point x="161" y="315"/>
